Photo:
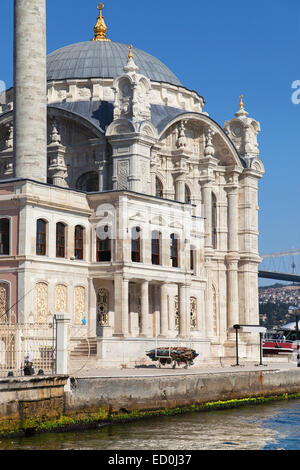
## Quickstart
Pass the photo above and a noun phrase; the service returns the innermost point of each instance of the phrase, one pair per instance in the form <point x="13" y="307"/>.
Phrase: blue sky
<point x="220" y="49"/>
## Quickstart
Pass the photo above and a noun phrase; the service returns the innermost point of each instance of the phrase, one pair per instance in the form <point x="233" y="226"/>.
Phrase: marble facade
<point x="146" y="228"/>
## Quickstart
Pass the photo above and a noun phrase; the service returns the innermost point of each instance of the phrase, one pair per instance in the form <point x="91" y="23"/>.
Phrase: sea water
<point x="257" y="427"/>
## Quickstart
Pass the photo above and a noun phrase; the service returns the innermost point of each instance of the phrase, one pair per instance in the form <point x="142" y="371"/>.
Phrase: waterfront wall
<point x="27" y="402"/>
<point x="28" y="398"/>
<point x="160" y="392"/>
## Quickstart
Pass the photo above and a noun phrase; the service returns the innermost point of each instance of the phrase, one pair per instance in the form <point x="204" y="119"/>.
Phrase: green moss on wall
<point x="90" y="420"/>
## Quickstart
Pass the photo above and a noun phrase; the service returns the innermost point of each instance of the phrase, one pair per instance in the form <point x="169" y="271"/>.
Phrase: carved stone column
<point x="92" y="313"/>
<point x="207" y="202"/>
<point x="144" y="309"/>
<point x="233" y="218"/>
<point x="180" y="187"/>
<point x="101" y="169"/>
<point x="121" y="309"/>
<point x="184" y="311"/>
<point x="164" y="310"/>
<point x="232" y="292"/>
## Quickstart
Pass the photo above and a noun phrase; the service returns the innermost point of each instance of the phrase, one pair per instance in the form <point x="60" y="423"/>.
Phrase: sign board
<point x="253" y="329"/>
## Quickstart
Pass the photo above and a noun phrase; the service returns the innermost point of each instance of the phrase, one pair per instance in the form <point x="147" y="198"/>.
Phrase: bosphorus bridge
<point x="282" y="266"/>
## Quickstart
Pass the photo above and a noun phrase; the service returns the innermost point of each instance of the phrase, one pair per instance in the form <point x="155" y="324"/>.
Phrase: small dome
<point x="97" y="59"/>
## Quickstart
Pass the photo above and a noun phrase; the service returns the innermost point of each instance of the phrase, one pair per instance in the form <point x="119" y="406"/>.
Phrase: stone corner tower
<point x="30" y="90"/>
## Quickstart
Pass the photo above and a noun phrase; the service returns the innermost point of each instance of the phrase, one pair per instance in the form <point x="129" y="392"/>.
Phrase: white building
<point x="143" y="217"/>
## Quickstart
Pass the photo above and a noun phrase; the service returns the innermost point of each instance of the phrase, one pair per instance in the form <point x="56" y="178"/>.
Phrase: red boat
<point x="282" y="340"/>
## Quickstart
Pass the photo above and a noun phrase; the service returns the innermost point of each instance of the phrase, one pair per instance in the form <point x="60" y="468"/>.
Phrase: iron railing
<point x="20" y="340"/>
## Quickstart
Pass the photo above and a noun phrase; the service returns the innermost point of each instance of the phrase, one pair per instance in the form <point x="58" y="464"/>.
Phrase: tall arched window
<point x="136" y="244"/>
<point x="174" y="250"/>
<point x="159" y="189"/>
<point x="187" y="195"/>
<point x="104" y="245"/>
<point x="155" y="247"/>
<point x="89" y="182"/>
<point x="214" y="221"/>
<point x="4" y="236"/>
<point x="60" y="240"/>
<point x="192" y="258"/>
<point x="41" y="237"/>
<point x="78" y="239"/>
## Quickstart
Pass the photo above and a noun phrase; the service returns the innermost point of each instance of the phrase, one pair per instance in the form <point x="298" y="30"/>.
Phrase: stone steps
<point x="85" y="348"/>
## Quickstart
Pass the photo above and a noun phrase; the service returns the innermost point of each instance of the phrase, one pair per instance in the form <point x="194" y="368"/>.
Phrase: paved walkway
<point x="156" y="372"/>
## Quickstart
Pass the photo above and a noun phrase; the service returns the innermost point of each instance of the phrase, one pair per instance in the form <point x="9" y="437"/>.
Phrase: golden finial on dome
<point x="100" y="28"/>
<point x="241" y="102"/>
<point x="130" y="55"/>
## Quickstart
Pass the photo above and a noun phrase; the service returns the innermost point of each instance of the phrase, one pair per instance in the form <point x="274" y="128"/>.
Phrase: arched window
<point x="78" y="239"/>
<point x="60" y="240"/>
<point x="41" y="237"/>
<point x="155" y="247"/>
<point x="187" y="195"/>
<point x="214" y="221"/>
<point x="136" y="244"/>
<point x="4" y="236"/>
<point x="104" y="245"/>
<point x="89" y="182"/>
<point x="159" y="189"/>
<point x="192" y="258"/>
<point x="174" y="250"/>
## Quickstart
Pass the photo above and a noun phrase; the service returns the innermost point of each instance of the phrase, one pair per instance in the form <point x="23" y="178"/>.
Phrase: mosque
<point x="123" y="204"/>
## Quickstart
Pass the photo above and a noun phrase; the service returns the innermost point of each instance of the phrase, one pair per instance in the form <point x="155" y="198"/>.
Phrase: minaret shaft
<point x="30" y="90"/>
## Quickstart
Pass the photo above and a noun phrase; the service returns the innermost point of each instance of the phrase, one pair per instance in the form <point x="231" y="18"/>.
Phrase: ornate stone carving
<point x="79" y="304"/>
<point x="61" y="298"/>
<point x="57" y="170"/>
<point x="4" y="302"/>
<point x="132" y="94"/>
<point x="181" y="140"/>
<point x="123" y="173"/>
<point x="243" y="132"/>
<point x="41" y="302"/>
<point x="209" y="148"/>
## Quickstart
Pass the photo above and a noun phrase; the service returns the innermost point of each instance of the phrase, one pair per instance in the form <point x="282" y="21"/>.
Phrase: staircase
<point x="84" y="348"/>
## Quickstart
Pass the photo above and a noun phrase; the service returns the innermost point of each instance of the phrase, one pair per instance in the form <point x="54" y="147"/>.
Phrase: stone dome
<point x="97" y="59"/>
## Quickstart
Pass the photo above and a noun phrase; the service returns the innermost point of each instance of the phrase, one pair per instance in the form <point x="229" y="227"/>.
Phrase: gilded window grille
<point x="102" y="307"/>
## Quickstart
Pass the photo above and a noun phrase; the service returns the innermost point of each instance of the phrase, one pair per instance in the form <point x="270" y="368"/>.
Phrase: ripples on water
<point x="272" y="426"/>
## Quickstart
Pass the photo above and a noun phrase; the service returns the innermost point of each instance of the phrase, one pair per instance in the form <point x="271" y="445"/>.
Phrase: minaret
<point x="30" y="90"/>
